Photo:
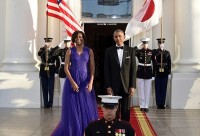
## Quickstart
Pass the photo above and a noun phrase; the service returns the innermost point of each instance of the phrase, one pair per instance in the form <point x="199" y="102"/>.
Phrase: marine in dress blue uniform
<point x="161" y="71"/>
<point x="62" y="74"/>
<point x="109" y="125"/>
<point x="144" y="74"/>
<point x="48" y="67"/>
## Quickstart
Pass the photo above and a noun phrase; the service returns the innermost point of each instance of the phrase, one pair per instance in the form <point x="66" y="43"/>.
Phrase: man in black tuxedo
<point x="120" y="72"/>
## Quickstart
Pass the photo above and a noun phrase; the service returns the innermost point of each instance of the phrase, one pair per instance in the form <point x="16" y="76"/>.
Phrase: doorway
<point x="99" y="36"/>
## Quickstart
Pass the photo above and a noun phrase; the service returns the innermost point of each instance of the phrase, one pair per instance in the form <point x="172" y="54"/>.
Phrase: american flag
<point x="61" y="10"/>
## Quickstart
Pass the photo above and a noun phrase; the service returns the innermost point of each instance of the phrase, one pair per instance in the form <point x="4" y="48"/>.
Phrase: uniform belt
<point x="49" y="64"/>
<point x="162" y="63"/>
<point x="142" y="64"/>
<point x="63" y="63"/>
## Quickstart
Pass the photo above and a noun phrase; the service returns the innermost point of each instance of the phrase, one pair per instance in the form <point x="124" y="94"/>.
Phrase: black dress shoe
<point x="146" y="109"/>
<point x="159" y="107"/>
<point x="50" y="107"/>
<point x="141" y="109"/>
<point x="162" y="107"/>
<point x="46" y="106"/>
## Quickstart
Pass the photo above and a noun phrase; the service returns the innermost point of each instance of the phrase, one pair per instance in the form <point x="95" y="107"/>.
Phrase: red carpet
<point x="139" y="122"/>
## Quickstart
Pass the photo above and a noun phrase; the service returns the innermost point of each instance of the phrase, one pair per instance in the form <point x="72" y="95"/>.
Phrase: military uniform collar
<point x="160" y="49"/>
<point x="109" y="122"/>
<point x="145" y="49"/>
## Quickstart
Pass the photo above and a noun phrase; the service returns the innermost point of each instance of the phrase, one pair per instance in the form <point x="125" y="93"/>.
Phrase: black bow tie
<point x="119" y="47"/>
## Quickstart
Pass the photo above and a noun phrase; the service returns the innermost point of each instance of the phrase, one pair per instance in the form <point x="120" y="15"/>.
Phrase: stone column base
<point x="185" y="92"/>
<point x="20" y="90"/>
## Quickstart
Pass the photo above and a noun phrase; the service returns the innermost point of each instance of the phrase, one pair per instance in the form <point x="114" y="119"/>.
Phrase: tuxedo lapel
<point x="116" y="55"/>
<point x="125" y="51"/>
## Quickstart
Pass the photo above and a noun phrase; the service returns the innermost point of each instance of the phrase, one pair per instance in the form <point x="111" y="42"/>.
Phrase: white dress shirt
<point x="120" y="54"/>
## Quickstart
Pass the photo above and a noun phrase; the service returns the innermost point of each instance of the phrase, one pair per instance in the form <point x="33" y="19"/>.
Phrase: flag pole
<point x="47" y="25"/>
<point x="47" y="21"/>
<point x="46" y="50"/>
<point x="161" y="23"/>
<point x="161" y="20"/>
<point x="161" y="27"/>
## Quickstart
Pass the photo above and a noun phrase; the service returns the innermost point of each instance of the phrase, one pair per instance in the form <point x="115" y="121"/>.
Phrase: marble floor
<point x="41" y="122"/>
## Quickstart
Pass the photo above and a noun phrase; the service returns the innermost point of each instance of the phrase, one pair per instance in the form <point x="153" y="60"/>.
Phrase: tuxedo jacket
<point x="114" y="74"/>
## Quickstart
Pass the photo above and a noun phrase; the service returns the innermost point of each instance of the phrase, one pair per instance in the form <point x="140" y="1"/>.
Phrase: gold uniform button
<point x="109" y="126"/>
<point x="109" y="132"/>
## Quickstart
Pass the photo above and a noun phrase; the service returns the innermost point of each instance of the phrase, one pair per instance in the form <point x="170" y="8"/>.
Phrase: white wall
<point x="16" y="36"/>
<point x="2" y="29"/>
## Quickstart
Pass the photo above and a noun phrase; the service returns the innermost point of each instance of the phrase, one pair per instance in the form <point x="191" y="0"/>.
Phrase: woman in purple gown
<point x="79" y="106"/>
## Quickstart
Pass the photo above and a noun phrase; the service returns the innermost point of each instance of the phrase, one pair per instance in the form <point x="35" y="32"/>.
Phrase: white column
<point x="19" y="78"/>
<point x="20" y="37"/>
<point x="187" y="32"/>
<point x="76" y="8"/>
<point x="2" y="28"/>
<point x="185" y="81"/>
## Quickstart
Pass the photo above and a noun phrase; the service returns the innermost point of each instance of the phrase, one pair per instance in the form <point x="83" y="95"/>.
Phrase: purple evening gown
<point x="78" y="109"/>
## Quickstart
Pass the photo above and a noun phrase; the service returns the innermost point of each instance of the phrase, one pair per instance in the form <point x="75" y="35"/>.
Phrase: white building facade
<point x="23" y="27"/>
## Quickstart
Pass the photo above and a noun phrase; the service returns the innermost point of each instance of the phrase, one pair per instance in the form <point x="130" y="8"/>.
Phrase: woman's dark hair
<point x="75" y="34"/>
